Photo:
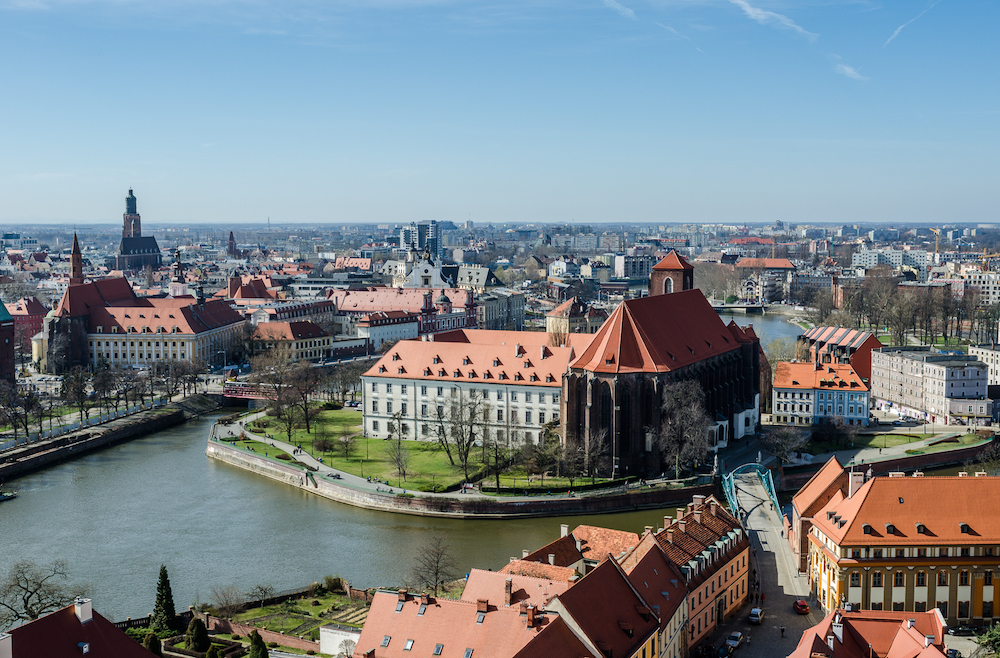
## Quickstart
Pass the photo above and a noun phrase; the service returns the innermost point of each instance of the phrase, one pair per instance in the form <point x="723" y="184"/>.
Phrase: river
<point x="118" y="514"/>
<point x="767" y="327"/>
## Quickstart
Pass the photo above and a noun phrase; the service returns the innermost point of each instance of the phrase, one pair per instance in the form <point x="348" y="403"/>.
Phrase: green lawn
<point x="962" y="441"/>
<point x="818" y="446"/>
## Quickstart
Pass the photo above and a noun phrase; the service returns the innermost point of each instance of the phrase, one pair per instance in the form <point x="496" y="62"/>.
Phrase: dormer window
<point x="441" y="373"/>
<point x="921" y="529"/>
<point x="465" y="361"/>
<point x="496" y="362"/>
<point x="549" y="378"/>
<point x="395" y="357"/>
<point x="381" y="368"/>
<point x="890" y="529"/>
<point x="527" y="364"/>
<point x="964" y="527"/>
<point x="458" y="373"/>
<point x="437" y="359"/>
<point x="867" y="529"/>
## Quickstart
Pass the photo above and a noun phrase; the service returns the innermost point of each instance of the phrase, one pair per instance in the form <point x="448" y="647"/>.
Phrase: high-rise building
<point x="422" y="236"/>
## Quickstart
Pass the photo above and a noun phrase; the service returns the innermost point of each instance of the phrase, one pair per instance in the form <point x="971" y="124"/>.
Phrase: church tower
<point x="672" y="274"/>
<point x="231" y="249"/>
<point x="131" y="225"/>
<point x="178" y="284"/>
<point x="76" y="264"/>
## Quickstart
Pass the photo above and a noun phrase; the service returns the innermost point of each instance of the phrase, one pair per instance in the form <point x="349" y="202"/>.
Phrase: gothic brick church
<point x="615" y="385"/>
<point x="136" y="251"/>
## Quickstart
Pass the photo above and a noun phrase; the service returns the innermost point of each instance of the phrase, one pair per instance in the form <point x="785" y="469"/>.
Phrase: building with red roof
<point x="439" y="309"/>
<point x="805" y="394"/>
<point x="574" y="316"/>
<point x="909" y="544"/>
<point x="672" y="274"/>
<point x="840" y="345"/>
<point x="615" y="386"/>
<point x="869" y="633"/>
<point x="28" y="313"/>
<point x="68" y="633"/>
<point x="300" y="340"/>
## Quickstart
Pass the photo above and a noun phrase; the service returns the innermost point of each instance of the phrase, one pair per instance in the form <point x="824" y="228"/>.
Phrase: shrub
<point x="314" y="602"/>
<point x="284" y="456"/>
<point x="236" y="636"/>
<point x="196" y="638"/>
<point x="272" y="644"/>
<point x="333" y="584"/>
<point x="310" y="653"/>
<point x="152" y="644"/>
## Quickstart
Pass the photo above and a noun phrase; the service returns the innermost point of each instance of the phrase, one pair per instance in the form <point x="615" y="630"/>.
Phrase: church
<point x="135" y="252"/>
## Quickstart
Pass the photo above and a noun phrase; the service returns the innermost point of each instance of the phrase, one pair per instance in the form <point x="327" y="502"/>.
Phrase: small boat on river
<point x="7" y="495"/>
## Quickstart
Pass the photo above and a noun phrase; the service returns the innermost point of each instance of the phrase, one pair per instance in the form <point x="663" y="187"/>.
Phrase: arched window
<point x="668" y="286"/>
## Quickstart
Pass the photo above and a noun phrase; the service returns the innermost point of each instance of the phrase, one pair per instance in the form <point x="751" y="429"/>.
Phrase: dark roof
<point x="60" y="634"/>
<point x="141" y="245"/>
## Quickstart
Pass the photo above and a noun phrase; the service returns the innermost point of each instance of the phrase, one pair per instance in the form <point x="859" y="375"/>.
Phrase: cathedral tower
<point x="76" y="264"/>
<point x="131" y="225"/>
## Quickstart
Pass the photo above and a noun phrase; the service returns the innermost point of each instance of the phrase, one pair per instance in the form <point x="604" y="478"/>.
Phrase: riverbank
<point x="343" y="490"/>
<point x="43" y="453"/>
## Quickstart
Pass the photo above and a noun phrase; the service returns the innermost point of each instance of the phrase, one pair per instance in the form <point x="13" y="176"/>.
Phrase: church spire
<point x="76" y="264"/>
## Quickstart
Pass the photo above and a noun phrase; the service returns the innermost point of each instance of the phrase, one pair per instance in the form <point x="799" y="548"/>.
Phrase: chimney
<point x="680" y="513"/>
<point x="402" y="594"/>
<point x="84" y="610"/>
<point x="579" y="545"/>
<point x="829" y="642"/>
<point x="838" y="629"/>
<point x="524" y="553"/>
<point x="928" y="640"/>
<point x="563" y="530"/>
<point x="370" y="653"/>
<point x="666" y="521"/>
<point x="697" y="516"/>
<point x="552" y="558"/>
<point x="648" y="529"/>
<point x="424" y="599"/>
<point x="680" y="525"/>
<point x="713" y="507"/>
<point x="697" y="500"/>
<point x="531" y="616"/>
<point x="6" y="646"/>
<point x="482" y="605"/>
<point x="910" y="623"/>
<point x="508" y="588"/>
<point x="670" y="535"/>
<point x="854" y="481"/>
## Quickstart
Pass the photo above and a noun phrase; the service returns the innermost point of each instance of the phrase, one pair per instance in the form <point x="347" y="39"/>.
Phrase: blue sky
<point x="562" y="111"/>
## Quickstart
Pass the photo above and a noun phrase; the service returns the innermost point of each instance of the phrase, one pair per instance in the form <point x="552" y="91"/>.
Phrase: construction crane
<point x="986" y="258"/>
<point x="937" y="237"/>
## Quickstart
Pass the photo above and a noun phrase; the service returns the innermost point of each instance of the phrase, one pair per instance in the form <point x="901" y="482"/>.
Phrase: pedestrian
<point x="782" y="631"/>
<point x="762" y="597"/>
<point x="755" y="555"/>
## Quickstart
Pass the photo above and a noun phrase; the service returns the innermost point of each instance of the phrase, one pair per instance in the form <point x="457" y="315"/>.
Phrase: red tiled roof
<point x="874" y="632"/>
<point x="539" y="570"/>
<point x="673" y="261"/>
<point x="597" y="543"/>
<point x="658" y="582"/>
<point x="478" y="355"/>
<point x="59" y="634"/>
<point x="491" y="585"/>
<point x="396" y="299"/>
<point x="556" y="640"/>
<point x="153" y="313"/>
<point x="818" y="484"/>
<point x="564" y="549"/>
<point x="26" y="306"/>
<point x="833" y="376"/>
<point x="453" y="624"/>
<point x="657" y="334"/>
<point x="79" y="300"/>
<point x="940" y="504"/>
<point x="617" y="623"/>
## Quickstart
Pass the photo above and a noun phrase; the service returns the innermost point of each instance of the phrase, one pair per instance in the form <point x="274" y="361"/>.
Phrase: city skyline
<point x="600" y="112"/>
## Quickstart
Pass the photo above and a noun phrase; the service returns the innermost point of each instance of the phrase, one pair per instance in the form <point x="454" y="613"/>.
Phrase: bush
<point x="272" y="644"/>
<point x="236" y="636"/>
<point x="310" y="653"/>
<point x="196" y="638"/>
<point x="284" y="456"/>
<point x="314" y="602"/>
<point x="404" y="495"/>
<point x="152" y="644"/>
<point x="333" y="584"/>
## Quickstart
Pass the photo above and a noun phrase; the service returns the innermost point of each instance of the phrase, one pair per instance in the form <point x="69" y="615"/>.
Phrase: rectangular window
<point x="897" y="579"/>
<point x="897" y="607"/>
<point x="855" y="579"/>
<point x="388" y="388"/>
<point x="963" y="578"/>
<point x="943" y="552"/>
<point x="440" y="390"/>
<point x="877" y="579"/>
<point x="403" y="387"/>
<point x="963" y="609"/>
<point x="402" y="408"/>
<point x="423" y="390"/>
<point x="388" y="407"/>
<point x="423" y="410"/>
<point x="900" y="552"/>
<point x="541" y="417"/>
<point x="856" y="553"/>
<point x="965" y="552"/>
<point x="987" y="609"/>
<point x="408" y="645"/>
<point x="527" y="397"/>
<point x="942" y="578"/>
<point x="920" y="606"/>
<point x="527" y="417"/>
<point x="921" y="579"/>
<point x="921" y="552"/>
<point x="988" y="578"/>
<point x="500" y="415"/>
<point x="374" y="406"/>
<point x="877" y="553"/>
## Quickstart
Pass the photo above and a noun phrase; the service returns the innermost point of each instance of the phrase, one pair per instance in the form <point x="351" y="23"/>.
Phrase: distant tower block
<point x="672" y="274"/>
<point x="131" y="225"/>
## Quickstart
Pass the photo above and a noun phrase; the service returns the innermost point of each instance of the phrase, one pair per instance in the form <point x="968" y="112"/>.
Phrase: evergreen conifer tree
<point x="152" y="644"/>
<point x="196" y="638"/>
<point x="215" y="651"/>
<point x="257" y="647"/>
<point x="164" y="613"/>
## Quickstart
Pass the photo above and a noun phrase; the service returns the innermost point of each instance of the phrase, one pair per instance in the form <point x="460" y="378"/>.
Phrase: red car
<point x="801" y="607"/>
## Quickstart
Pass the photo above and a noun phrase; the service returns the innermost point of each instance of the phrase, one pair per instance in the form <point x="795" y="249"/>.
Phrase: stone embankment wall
<point x="454" y="506"/>
<point x="46" y="452"/>
<point x="793" y="478"/>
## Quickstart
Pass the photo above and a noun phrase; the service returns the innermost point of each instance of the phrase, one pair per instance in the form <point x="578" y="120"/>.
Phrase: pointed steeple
<point x="76" y="264"/>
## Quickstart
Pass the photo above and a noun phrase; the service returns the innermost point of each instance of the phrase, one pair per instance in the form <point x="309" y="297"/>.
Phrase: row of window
<point x="899" y="578"/>
<point x="528" y="395"/>
<point x="962" y="551"/>
<point x="404" y="409"/>
<point x="131" y="343"/>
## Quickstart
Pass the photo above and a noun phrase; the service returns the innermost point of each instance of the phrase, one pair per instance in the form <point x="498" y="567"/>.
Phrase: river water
<point x="116" y="515"/>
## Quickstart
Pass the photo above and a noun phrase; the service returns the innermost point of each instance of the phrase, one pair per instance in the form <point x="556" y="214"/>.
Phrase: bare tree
<point x="74" y="389"/>
<point x="434" y="564"/>
<point x="397" y="452"/>
<point x="303" y="380"/>
<point x="259" y="593"/>
<point x="463" y="423"/>
<point x="228" y="600"/>
<point x="596" y="450"/>
<point x="346" y="648"/>
<point x="347" y="441"/>
<point x="31" y="590"/>
<point x="783" y="441"/>
<point x="684" y="424"/>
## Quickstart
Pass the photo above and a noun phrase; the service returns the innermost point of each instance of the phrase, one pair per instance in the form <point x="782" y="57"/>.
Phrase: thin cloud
<point x="766" y="17"/>
<point x="670" y="29"/>
<point x="620" y="8"/>
<point x="850" y="72"/>
<point x="900" y="28"/>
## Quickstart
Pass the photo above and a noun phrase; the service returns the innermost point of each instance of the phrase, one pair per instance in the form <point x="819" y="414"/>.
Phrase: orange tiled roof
<point x="597" y="543"/>
<point x="673" y="261"/>
<point x="149" y="314"/>
<point x="539" y="570"/>
<point x="295" y="330"/>
<point x="833" y="376"/>
<point x="477" y="355"/>
<point x="528" y="589"/>
<point x="657" y="334"/>
<point x="818" y="484"/>
<point x="874" y="632"/>
<point x="940" y="504"/>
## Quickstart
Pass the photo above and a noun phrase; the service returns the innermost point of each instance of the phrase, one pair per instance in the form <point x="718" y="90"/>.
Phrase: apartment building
<point x="909" y="544"/>
<point x="818" y="394"/>
<point x="990" y="355"/>
<point x="930" y="385"/>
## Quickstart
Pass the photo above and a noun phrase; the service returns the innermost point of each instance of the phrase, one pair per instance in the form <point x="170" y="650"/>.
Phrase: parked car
<point x="896" y="423"/>
<point x="735" y="639"/>
<point x="801" y="607"/>
<point x="961" y="630"/>
<point x="756" y="615"/>
<point x="724" y="651"/>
